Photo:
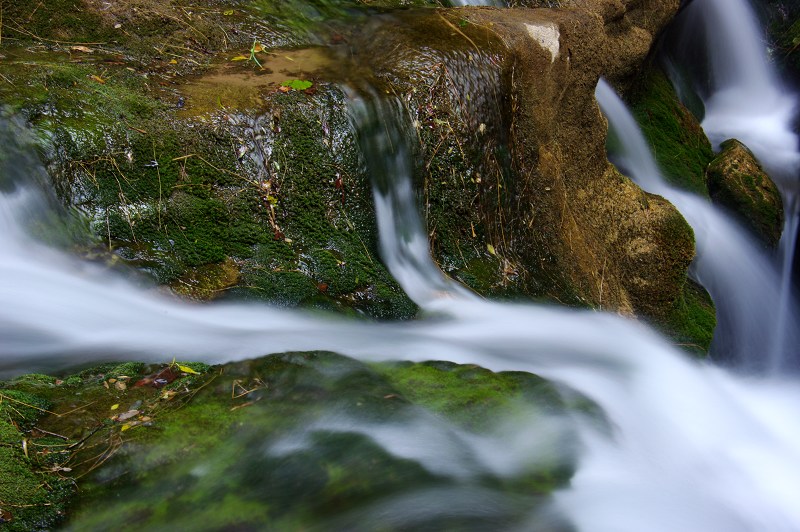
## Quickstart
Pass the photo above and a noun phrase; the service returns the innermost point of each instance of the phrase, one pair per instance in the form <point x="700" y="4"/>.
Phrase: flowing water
<point x="743" y="282"/>
<point x="687" y="446"/>
<point x="744" y="99"/>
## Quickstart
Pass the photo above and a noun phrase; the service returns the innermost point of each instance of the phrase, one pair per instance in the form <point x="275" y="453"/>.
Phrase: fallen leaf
<point x="490" y="249"/>
<point x="187" y="369"/>
<point x="98" y="79"/>
<point x="298" y="84"/>
<point x="114" y="407"/>
<point x="121" y="386"/>
<point x="125" y="416"/>
<point x="173" y="62"/>
<point x="84" y="49"/>
<point x="228" y="12"/>
<point x="240" y="58"/>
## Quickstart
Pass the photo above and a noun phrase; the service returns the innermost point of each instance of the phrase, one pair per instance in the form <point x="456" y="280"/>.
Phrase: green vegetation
<point x="692" y="320"/>
<point x="737" y="182"/>
<point x="675" y="136"/>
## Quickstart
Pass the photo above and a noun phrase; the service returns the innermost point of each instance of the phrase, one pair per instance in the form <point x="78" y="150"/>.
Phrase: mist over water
<point x="687" y="446"/>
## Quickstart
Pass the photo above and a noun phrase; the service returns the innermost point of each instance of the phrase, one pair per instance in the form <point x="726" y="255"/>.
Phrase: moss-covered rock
<point x="691" y="321"/>
<point x="737" y="182"/>
<point x="676" y="138"/>
<point x="291" y="440"/>
<point x="189" y="196"/>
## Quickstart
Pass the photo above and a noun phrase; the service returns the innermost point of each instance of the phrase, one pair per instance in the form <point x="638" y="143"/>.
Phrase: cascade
<point x="744" y="99"/>
<point x="747" y="311"/>
<point x="660" y="468"/>
<point x="687" y="446"/>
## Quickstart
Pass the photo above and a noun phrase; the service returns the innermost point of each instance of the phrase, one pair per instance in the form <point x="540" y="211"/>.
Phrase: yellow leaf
<point x="114" y="407"/>
<point x="98" y="79"/>
<point x="187" y="369"/>
<point x="125" y="427"/>
<point x="228" y="12"/>
<point x="240" y="58"/>
<point x="173" y="62"/>
<point x="490" y="249"/>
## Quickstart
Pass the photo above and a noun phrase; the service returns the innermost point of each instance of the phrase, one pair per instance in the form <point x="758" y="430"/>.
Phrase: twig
<point x="51" y="433"/>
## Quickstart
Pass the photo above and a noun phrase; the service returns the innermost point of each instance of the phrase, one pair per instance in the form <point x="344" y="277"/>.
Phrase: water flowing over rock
<point x="238" y="175"/>
<point x="509" y="139"/>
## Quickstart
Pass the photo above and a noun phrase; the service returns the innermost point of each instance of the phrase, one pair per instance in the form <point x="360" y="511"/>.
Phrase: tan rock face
<point x="568" y="223"/>
<point x="737" y="182"/>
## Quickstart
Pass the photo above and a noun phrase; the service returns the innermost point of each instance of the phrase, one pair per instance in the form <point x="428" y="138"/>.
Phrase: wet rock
<point x="519" y="198"/>
<point x="737" y="182"/>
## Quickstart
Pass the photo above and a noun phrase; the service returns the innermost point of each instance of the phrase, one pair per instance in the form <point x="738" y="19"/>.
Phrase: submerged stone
<point x="737" y="182"/>
<point x="297" y="440"/>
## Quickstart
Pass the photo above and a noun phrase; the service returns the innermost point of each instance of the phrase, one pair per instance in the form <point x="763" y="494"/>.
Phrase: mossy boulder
<point x="186" y="194"/>
<point x="285" y="441"/>
<point x="737" y="182"/>
<point x="261" y="192"/>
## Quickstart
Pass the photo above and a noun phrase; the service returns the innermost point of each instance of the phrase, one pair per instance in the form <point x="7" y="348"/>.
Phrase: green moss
<point x="30" y="500"/>
<point x="469" y="395"/>
<point x="692" y="320"/>
<point x="33" y="380"/>
<point x="675" y="136"/>
<point x="9" y="433"/>
<point x="22" y="408"/>
<point x="129" y="369"/>
<point x="59" y="20"/>
<point x="282" y="441"/>
<point x="737" y="182"/>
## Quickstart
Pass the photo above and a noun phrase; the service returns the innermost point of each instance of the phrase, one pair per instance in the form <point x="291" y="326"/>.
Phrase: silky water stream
<point x="718" y="49"/>
<point x="684" y="446"/>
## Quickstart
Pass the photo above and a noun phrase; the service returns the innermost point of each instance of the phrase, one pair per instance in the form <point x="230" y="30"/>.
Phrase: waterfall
<point x="403" y="241"/>
<point x="691" y="448"/>
<point x="744" y="284"/>
<point x="744" y="99"/>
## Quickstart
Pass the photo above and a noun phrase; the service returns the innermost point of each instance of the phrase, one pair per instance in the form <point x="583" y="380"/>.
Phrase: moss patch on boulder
<point x="676" y="139"/>
<point x="737" y="182"/>
<point x="690" y="323"/>
<point x="290" y="440"/>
